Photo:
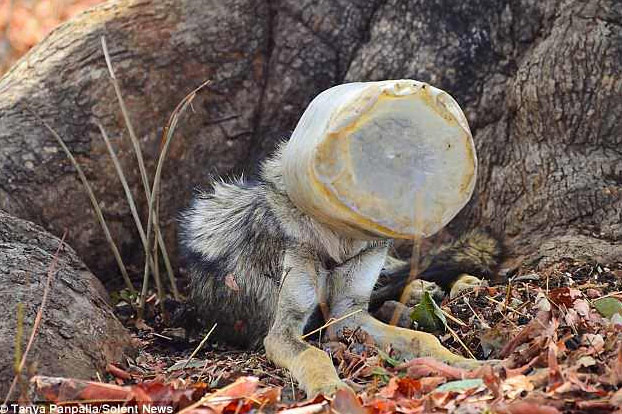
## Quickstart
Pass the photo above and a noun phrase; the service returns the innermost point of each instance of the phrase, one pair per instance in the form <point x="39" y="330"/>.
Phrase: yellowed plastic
<point x="382" y="159"/>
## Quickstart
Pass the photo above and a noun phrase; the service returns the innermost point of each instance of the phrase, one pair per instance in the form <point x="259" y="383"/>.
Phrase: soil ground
<point x="561" y="351"/>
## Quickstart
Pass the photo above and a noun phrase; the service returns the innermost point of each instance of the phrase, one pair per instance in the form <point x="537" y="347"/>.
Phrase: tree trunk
<point x="540" y="82"/>
<point x="78" y="334"/>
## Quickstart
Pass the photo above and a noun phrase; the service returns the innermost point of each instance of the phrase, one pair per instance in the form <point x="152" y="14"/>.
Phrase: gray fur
<point x="243" y="229"/>
<point x="259" y="267"/>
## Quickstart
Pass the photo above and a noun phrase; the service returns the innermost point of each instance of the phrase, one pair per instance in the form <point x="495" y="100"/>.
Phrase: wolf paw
<point x="414" y="292"/>
<point x="465" y="282"/>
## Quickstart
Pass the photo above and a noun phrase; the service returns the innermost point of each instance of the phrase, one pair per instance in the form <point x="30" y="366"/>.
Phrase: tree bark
<point x="540" y="82"/>
<point x="78" y="334"/>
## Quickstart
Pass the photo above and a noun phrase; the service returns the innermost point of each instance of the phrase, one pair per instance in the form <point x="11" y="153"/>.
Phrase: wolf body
<point x="260" y="268"/>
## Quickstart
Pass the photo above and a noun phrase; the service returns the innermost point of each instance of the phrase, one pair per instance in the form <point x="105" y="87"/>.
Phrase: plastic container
<point x="382" y="159"/>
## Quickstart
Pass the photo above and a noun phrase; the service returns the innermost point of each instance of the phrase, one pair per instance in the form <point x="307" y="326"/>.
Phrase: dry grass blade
<point x="94" y="203"/>
<point x="508" y="308"/>
<point x="19" y="336"/>
<point x="169" y="268"/>
<point x="126" y="118"/>
<point x="414" y="258"/>
<point x="130" y="200"/>
<point x="143" y="174"/>
<point x="481" y="321"/>
<point x="167" y="139"/>
<point x="330" y="322"/>
<point x="457" y="338"/>
<point x="158" y="282"/>
<point x="612" y="294"/>
<point x="198" y="348"/>
<point x="38" y="317"/>
<point x="453" y="318"/>
<point x="126" y="188"/>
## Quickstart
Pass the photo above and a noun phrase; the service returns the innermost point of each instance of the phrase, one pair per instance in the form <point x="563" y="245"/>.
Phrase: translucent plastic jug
<point x="382" y="159"/>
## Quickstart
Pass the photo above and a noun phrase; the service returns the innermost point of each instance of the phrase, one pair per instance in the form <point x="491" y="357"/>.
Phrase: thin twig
<point x="608" y="295"/>
<point x="508" y="308"/>
<point x="457" y="338"/>
<point x="481" y="321"/>
<point x="141" y="166"/>
<point x="94" y="203"/>
<point x="452" y="318"/>
<point x="161" y="336"/>
<point x="199" y="347"/>
<point x="38" y="317"/>
<point x="168" y="138"/>
<point x="508" y="295"/>
<point x="330" y="322"/>
<point x="547" y="282"/>
<point x="199" y="379"/>
<point x="137" y="152"/>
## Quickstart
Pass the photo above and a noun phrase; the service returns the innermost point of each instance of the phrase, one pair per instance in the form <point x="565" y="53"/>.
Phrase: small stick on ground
<point x="38" y="317"/>
<point x="453" y="318"/>
<point x="481" y="321"/>
<point x="198" y="348"/>
<point x="508" y="308"/>
<point x="94" y="203"/>
<point x="330" y="322"/>
<point x="614" y="294"/>
<point x="457" y="338"/>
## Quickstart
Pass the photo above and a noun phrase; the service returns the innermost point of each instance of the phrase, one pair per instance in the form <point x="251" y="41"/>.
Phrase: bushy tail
<point x="476" y="253"/>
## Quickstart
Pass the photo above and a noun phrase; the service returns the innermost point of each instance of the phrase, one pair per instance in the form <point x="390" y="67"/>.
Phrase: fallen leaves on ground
<point x="558" y="347"/>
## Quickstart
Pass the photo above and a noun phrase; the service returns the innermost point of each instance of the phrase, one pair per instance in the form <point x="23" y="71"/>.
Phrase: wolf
<point x="260" y="268"/>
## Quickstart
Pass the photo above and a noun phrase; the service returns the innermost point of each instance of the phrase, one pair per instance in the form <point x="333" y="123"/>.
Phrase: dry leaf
<point x="595" y="342"/>
<point x="524" y="407"/>
<point x="513" y="387"/>
<point x="346" y="402"/>
<point x="555" y="374"/>
<point x="582" y="307"/>
<point x="564" y="296"/>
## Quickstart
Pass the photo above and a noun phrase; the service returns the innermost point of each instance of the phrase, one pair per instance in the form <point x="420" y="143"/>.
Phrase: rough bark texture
<point x="78" y="334"/>
<point x="540" y="81"/>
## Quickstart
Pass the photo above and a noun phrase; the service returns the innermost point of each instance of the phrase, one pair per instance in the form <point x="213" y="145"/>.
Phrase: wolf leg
<point x="312" y="368"/>
<point x="350" y="287"/>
